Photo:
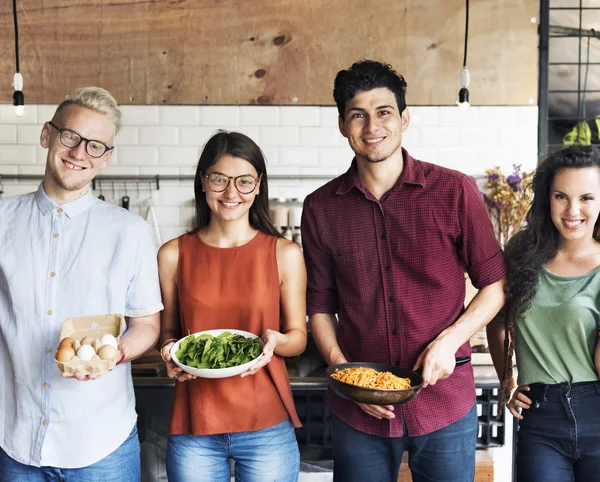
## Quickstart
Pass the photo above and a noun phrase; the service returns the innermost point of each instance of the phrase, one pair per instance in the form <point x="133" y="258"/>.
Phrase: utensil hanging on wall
<point x="125" y="202"/>
<point x="151" y="218"/>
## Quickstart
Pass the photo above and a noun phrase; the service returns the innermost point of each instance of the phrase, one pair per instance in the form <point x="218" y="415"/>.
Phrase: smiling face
<point x="575" y="202"/>
<point x="230" y="205"/>
<point x="374" y="126"/>
<point x="69" y="171"/>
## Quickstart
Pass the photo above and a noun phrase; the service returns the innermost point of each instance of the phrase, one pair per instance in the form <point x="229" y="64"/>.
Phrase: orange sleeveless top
<point x="236" y="288"/>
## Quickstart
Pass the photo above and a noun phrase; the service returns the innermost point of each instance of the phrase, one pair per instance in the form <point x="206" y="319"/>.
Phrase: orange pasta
<point x="370" y="378"/>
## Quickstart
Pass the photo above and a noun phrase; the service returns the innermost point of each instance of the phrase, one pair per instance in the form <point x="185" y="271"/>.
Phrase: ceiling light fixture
<point x="465" y="75"/>
<point x="18" y="97"/>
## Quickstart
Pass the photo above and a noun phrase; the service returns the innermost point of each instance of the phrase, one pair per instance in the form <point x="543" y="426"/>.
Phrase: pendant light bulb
<point x="18" y="97"/>
<point x="463" y="99"/>
<point x="463" y="94"/>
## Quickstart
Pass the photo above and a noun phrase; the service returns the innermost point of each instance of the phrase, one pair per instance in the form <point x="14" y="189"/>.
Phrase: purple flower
<point x="513" y="181"/>
<point x="486" y="200"/>
<point x="493" y="176"/>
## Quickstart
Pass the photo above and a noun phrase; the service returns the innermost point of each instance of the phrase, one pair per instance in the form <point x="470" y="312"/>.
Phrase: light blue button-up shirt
<point x="86" y="257"/>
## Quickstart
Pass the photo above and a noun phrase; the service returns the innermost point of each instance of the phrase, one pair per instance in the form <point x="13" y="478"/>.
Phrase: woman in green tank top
<point x="551" y="316"/>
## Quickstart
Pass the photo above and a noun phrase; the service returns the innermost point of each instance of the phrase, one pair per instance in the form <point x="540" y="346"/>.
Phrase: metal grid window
<point x="569" y="81"/>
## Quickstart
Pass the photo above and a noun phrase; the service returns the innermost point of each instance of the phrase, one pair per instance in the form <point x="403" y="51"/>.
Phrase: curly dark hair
<point x="531" y="248"/>
<point x="235" y="144"/>
<point x="364" y="76"/>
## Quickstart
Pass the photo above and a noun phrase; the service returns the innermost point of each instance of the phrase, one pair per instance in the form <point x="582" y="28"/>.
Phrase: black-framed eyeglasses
<point x="219" y="182"/>
<point x="71" y="139"/>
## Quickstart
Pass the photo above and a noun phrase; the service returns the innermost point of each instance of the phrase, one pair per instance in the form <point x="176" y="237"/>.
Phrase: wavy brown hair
<point x="535" y="245"/>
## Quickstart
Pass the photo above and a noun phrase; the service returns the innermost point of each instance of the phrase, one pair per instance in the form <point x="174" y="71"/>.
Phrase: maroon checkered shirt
<point x="392" y="270"/>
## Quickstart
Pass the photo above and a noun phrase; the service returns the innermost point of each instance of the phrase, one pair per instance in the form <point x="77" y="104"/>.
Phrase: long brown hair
<point x="530" y="249"/>
<point x="237" y="145"/>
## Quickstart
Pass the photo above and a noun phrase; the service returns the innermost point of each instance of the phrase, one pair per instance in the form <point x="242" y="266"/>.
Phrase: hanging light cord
<point x="466" y="33"/>
<point x="16" y="35"/>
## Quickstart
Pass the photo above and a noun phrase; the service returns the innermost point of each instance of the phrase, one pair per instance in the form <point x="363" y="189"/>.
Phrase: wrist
<point x="165" y="343"/>
<point x="336" y="357"/>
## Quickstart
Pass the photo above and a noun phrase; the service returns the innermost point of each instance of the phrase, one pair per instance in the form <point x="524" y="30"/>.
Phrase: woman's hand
<point x="270" y="339"/>
<point x="173" y="371"/>
<point x="518" y="399"/>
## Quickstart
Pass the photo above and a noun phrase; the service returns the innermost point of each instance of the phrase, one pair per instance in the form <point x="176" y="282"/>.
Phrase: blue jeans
<point x="267" y="455"/>
<point x="559" y="437"/>
<point x="123" y="465"/>
<point x="446" y="455"/>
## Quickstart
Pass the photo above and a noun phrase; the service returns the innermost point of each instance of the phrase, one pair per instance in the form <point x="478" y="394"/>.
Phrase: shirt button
<point x="388" y="267"/>
<point x="59" y="210"/>
<point x="46" y="385"/>
<point x="53" y="274"/>
<point x="49" y="312"/>
<point x="391" y="298"/>
<point x="394" y="331"/>
<point x="48" y="350"/>
<point x="45" y="422"/>
<point x="55" y="235"/>
<point x="383" y="236"/>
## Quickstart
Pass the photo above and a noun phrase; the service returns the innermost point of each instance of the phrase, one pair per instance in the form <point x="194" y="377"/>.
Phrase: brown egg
<point x="107" y="352"/>
<point x="88" y="340"/>
<point x="65" y="353"/>
<point x="67" y="341"/>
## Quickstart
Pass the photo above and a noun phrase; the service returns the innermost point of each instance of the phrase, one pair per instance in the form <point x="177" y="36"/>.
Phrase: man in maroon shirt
<point x="386" y="245"/>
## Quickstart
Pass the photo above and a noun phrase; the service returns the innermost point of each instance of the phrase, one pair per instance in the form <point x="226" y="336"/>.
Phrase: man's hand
<point x="378" y="411"/>
<point x="438" y="361"/>
<point x="82" y="378"/>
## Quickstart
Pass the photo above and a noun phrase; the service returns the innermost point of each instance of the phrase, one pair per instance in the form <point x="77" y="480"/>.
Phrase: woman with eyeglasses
<point x="234" y="270"/>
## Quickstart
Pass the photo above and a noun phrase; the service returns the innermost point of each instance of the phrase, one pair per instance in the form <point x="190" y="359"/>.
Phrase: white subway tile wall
<point x="297" y="141"/>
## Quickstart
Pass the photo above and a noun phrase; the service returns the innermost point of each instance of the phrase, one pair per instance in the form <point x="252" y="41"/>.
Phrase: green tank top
<point x="556" y="338"/>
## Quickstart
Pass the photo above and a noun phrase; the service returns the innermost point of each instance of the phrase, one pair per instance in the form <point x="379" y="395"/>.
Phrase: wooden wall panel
<point x="266" y="51"/>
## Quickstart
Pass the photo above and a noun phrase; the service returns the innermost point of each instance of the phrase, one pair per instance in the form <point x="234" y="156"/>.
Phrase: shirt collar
<point x="72" y="209"/>
<point x="412" y="173"/>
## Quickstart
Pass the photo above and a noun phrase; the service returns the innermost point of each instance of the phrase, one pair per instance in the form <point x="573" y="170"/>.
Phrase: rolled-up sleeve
<point x="321" y="291"/>
<point x="143" y="293"/>
<point x="479" y="248"/>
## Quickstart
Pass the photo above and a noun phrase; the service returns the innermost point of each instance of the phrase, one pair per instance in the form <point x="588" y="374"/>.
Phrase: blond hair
<point x="96" y="99"/>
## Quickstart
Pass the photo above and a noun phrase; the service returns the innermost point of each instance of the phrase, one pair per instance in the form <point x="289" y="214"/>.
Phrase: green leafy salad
<point x="224" y="351"/>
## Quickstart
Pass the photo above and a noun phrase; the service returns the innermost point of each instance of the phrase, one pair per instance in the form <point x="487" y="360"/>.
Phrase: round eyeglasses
<point x="71" y="139"/>
<point x="219" y="182"/>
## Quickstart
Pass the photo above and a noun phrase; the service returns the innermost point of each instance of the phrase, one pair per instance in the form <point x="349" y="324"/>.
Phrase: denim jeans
<point x="559" y="437"/>
<point x="123" y="465"/>
<point x="267" y="455"/>
<point x="446" y="455"/>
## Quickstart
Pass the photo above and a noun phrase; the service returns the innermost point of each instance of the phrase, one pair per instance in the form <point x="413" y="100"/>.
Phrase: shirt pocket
<point x="358" y="279"/>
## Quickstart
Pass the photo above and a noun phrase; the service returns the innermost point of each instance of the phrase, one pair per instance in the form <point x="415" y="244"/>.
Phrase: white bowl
<point x="217" y="372"/>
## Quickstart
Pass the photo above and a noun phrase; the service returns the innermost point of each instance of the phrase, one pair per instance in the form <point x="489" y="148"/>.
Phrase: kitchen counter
<point x="485" y="377"/>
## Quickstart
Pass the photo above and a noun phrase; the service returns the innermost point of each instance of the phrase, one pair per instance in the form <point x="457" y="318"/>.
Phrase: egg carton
<point x="94" y="326"/>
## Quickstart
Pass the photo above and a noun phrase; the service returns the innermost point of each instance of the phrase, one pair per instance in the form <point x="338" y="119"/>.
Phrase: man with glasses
<point x="67" y="254"/>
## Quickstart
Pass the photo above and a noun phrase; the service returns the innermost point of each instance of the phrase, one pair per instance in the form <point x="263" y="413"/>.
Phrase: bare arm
<point x="141" y="336"/>
<point x="170" y="328"/>
<point x="323" y="328"/>
<point x="438" y="359"/>
<point x="495" y="337"/>
<point x="518" y="400"/>
<point x="291" y="340"/>
<point x="167" y="271"/>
